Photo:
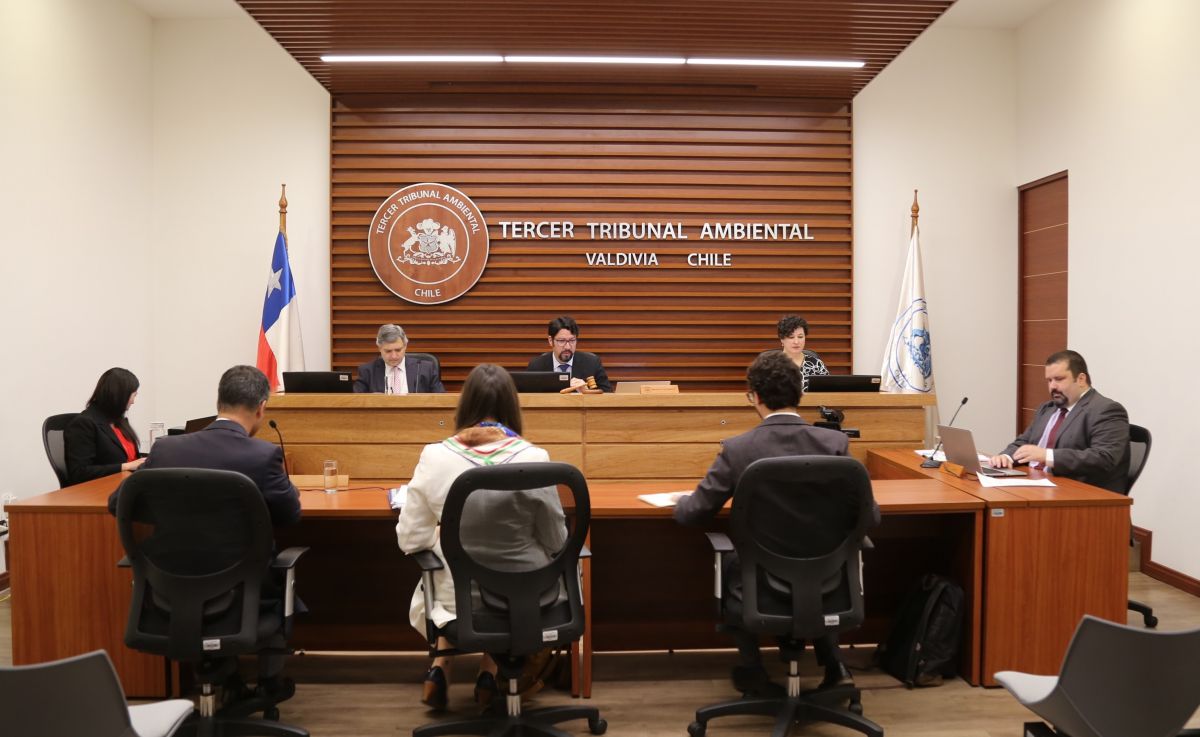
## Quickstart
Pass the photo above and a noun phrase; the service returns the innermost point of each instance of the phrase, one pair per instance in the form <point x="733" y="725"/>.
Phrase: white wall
<point x="1110" y="91"/>
<point x="941" y="119"/>
<point x="234" y="117"/>
<point x="75" y="204"/>
<point x="141" y="169"/>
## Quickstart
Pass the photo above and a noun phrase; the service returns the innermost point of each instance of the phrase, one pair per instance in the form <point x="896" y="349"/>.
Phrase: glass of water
<point x="157" y="430"/>
<point x="330" y="469"/>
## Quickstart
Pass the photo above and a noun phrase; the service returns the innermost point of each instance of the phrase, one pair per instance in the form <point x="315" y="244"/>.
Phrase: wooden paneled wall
<point x="592" y="159"/>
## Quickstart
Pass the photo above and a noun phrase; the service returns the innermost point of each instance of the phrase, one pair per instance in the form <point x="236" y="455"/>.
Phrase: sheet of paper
<point x="398" y="496"/>
<point x="941" y="456"/>
<point x="988" y="481"/>
<point x="665" y="499"/>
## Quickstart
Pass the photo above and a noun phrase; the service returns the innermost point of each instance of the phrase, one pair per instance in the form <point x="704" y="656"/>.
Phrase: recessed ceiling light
<point x="780" y="63"/>
<point x="411" y="58"/>
<point x="594" y="60"/>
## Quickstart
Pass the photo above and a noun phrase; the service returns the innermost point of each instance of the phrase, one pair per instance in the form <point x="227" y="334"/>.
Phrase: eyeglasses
<point x="565" y="341"/>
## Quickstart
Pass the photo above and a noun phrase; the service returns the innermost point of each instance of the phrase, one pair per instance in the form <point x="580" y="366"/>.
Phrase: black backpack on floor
<point x="923" y="645"/>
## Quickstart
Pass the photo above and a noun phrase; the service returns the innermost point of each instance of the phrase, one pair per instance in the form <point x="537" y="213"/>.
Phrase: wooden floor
<point x="652" y="695"/>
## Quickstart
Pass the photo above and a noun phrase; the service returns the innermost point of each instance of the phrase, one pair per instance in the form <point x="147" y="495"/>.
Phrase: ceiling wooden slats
<point x="872" y="32"/>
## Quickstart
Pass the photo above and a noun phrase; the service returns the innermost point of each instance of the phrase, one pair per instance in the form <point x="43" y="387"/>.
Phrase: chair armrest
<point x="125" y="562"/>
<point x="584" y="552"/>
<point x="720" y="542"/>
<point x="427" y="560"/>
<point x="867" y="544"/>
<point x="287" y="559"/>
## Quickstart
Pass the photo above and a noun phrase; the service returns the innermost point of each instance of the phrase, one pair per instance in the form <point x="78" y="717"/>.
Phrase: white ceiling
<point x="992" y="13"/>
<point x="189" y="8"/>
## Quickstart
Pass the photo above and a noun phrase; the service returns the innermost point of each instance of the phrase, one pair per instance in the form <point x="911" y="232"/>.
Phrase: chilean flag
<point x="280" y="347"/>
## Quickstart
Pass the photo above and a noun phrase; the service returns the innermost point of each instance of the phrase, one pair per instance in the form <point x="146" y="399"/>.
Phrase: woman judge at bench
<point x="793" y="332"/>
<point x="488" y="422"/>
<point x="100" y="440"/>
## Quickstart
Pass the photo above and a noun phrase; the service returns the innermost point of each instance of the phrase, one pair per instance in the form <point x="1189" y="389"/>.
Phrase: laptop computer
<point x="959" y="446"/>
<point x="540" y="381"/>
<point x="198" y="424"/>
<point x="317" y="382"/>
<point x="844" y="383"/>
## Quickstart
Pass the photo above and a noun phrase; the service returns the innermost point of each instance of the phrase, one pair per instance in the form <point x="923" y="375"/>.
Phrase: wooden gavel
<point x="588" y="387"/>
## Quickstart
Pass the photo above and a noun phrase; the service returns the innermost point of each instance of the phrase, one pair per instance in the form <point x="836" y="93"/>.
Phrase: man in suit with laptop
<point x="776" y="385"/>
<point x="394" y="372"/>
<point x="563" y="336"/>
<point x="1079" y="434"/>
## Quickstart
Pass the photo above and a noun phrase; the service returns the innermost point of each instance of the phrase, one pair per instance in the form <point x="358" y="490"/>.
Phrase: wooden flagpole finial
<point x="916" y="209"/>
<point x="283" y="209"/>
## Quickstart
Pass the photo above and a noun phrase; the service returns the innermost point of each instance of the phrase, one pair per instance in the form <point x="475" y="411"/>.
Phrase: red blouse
<point x="126" y="443"/>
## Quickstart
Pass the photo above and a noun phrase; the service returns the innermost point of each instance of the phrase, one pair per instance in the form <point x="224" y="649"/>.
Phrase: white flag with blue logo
<point x="907" y="361"/>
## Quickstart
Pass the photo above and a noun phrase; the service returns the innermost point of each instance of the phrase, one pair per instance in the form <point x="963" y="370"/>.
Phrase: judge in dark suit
<point x="227" y="444"/>
<point x="394" y="372"/>
<point x="100" y="441"/>
<point x="563" y="336"/>
<point x="1079" y="434"/>
<point x="775" y="384"/>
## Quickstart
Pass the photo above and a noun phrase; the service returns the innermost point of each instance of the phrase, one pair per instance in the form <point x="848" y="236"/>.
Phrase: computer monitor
<point x="540" y="381"/>
<point x="844" y="383"/>
<point x="317" y="382"/>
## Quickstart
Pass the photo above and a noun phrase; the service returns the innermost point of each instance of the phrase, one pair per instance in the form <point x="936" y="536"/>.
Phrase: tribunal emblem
<point x="428" y="243"/>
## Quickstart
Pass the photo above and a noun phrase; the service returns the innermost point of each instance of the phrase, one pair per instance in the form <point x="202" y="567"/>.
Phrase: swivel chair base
<point x="207" y="722"/>
<point x="797" y="708"/>
<point x="1147" y="612"/>
<point x="535" y="722"/>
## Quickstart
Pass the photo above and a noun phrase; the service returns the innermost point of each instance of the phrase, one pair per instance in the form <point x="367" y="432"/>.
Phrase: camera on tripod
<point x="832" y="419"/>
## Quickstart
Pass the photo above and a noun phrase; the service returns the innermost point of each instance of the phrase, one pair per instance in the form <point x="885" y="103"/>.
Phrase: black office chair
<point x="509" y="614"/>
<point x="200" y="545"/>
<point x="795" y="598"/>
<point x="52" y="440"/>
<point x="1139" y="453"/>
<point x="437" y="365"/>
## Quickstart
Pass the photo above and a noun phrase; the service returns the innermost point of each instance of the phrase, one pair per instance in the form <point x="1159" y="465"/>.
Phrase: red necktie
<point x="1059" y="419"/>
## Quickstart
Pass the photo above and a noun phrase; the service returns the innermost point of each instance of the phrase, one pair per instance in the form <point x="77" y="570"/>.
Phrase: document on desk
<point x="939" y="456"/>
<point x="397" y="496"/>
<point x="989" y="481"/>
<point x="664" y="499"/>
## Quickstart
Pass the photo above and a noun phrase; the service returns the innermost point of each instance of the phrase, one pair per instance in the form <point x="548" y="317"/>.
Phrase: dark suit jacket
<point x="584" y="365"/>
<point x="91" y="447"/>
<point x="225" y="445"/>
<point x="781" y="435"/>
<point x="422" y="377"/>
<point x="1092" y="445"/>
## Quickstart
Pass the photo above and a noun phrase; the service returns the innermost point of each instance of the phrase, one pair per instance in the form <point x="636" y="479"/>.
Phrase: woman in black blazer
<point x="100" y="440"/>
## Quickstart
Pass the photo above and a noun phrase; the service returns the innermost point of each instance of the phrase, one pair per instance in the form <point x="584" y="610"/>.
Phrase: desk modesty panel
<point x="377" y="437"/>
<point x="1051" y="555"/>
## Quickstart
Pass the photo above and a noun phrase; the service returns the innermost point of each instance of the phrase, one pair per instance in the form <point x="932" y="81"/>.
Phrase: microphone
<point x="929" y="462"/>
<point x="275" y="427"/>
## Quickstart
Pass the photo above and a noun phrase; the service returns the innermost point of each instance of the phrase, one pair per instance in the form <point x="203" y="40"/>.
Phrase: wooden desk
<point x="610" y="437"/>
<point x="68" y="596"/>
<point x="1051" y="555"/>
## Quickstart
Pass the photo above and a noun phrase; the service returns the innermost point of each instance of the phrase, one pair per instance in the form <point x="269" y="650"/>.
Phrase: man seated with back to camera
<point x="563" y="336"/>
<point x="227" y="444"/>
<point x="1079" y="434"/>
<point x="775" y="385"/>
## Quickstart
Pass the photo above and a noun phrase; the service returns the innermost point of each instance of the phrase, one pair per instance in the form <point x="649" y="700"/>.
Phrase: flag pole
<point x="916" y="209"/>
<point x="283" y="211"/>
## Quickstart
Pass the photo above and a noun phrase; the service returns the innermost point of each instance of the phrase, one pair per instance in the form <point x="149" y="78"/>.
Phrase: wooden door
<point x="1042" y="290"/>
